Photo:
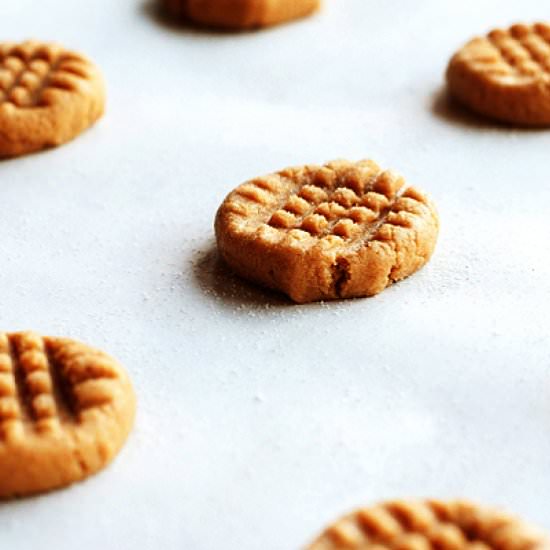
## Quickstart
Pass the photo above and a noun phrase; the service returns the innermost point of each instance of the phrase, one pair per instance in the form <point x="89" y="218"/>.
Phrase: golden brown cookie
<point x="505" y="75"/>
<point x="430" y="525"/>
<point x="48" y="95"/>
<point x="341" y="230"/>
<point x="240" y="14"/>
<point x="65" y="411"/>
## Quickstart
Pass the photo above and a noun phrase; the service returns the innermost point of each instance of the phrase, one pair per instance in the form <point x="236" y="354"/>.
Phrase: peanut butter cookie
<point x="505" y="75"/>
<point x="431" y="524"/>
<point x="65" y="412"/>
<point x="240" y="14"/>
<point x="48" y="96"/>
<point x="341" y="230"/>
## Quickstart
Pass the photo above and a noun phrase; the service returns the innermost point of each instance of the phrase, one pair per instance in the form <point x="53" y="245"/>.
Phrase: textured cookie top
<point x="34" y="74"/>
<point x="505" y="75"/>
<point x="430" y="525"/>
<point x="48" y="385"/>
<point x="340" y="230"/>
<point x="341" y="204"/>
<point x="514" y="56"/>
<point x="48" y="95"/>
<point x="65" y="411"/>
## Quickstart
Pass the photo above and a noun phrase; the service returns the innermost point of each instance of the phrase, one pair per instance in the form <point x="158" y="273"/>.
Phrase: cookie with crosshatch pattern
<point x="341" y="230"/>
<point x="48" y="95"/>
<point x="240" y="14"/>
<point x="65" y="412"/>
<point x="505" y="75"/>
<point x="430" y="525"/>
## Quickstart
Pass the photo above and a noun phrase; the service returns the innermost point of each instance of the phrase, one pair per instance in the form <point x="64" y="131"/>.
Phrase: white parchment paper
<point x="260" y="421"/>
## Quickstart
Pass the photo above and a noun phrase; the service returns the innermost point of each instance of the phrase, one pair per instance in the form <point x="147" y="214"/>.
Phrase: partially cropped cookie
<point x="505" y="75"/>
<point x="240" y="14"/>
<point x="341" y="230"/>
<point x="65" y="412"/>
<point x="430" y="525"/>
<point x="48" y="95"/>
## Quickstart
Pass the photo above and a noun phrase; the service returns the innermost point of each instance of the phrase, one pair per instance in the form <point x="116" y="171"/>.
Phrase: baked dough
<point x="341" y="230"/>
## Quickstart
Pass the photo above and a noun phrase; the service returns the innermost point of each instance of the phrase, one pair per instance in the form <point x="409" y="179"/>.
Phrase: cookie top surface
<point x="65" y="409"/>
<point x="34" y="74"/>
<point x="506" y="74"/>
<point x="514" y="56"/>
<point x="48" y="95"/>
<point x="430" y="524"/>
<point x="334" y="210"/>
<point x="341" y="204"/>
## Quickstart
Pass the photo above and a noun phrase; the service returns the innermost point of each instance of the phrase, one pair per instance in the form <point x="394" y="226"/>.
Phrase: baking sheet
<point x="259" y="420"/>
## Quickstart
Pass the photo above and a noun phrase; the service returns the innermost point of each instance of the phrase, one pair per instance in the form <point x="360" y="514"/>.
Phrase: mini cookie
<point x="240" y="14"/>
<point x="341" y="230"/>
<point x="65" y="411"/>
<point x="48" y="96"/>
<point x="505" y="75"/>
<point x="428" y="525"/>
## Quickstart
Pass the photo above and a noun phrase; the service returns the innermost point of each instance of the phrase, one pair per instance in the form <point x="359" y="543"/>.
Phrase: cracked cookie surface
<point x="430" y="525"/>
<point x="505" y="75"/>
<point x="340" y="230"/>
<point x="65" y="411"/>
<point x="48" y="95"/>
<point x="240" y="14"/>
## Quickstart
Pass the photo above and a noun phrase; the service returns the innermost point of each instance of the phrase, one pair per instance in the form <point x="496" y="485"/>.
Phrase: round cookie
<point x="240" y="14"/>
<point x="341" y="230"/>
<point x="430" y="524"/>
<point x="48" y="95"/>
<point x="65" y="412"/>
<point x="505" y="75"/>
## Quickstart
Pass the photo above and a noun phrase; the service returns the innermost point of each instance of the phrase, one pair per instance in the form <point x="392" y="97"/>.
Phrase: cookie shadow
<point x="449" y="110"/>
<point x="446" y="108"/>
<point x="156" y="13"/>
<point x="216" y="280"/>
<point x="44" y="152"/>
